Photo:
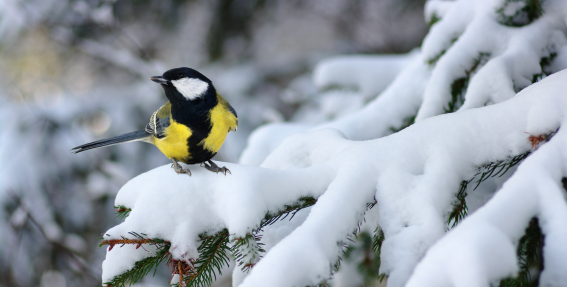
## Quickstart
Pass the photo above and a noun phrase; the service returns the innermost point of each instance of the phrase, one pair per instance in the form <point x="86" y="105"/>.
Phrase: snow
<point x="469" y="23"/>
<point x="409" y="181"/>
<point x="486" y="240"/>
<point x="70" y="97"/>
<point x="399" y="101"/>
<point x="205" y="207"/>
<point x="349" y="161"/>
<point x="370" y="74"/>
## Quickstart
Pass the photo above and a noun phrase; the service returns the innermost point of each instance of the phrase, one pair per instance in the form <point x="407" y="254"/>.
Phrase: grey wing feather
<point x="157" y="125"/>
<point x="233" y="111"/>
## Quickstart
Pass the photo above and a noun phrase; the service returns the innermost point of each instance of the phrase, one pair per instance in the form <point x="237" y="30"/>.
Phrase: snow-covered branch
<point x="406" y="172"/>
<point x="476" y="67"/>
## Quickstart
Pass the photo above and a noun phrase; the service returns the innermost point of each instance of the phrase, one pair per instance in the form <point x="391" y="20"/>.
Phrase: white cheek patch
<point x="190" y="88"/>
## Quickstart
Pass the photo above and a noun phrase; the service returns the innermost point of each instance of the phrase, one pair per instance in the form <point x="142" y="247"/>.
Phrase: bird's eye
<point x="180" y="76"/>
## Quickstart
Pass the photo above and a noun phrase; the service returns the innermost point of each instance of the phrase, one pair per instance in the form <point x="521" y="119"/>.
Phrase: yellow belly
<point x="174" y="144"/>
<point x="222" y="121"/>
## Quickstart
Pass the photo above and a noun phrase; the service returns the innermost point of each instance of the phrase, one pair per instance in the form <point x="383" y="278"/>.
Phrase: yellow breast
<point x="222" y="121"/>
<point x="174" y="144"/>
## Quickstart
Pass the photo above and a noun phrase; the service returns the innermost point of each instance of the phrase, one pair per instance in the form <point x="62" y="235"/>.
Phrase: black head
<point x="185" y="84"/>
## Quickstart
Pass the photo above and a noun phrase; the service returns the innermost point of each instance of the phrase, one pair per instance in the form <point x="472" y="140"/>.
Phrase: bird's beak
<point x="159" y="79"/>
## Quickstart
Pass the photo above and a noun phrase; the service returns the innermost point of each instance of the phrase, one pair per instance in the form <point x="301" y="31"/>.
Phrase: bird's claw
<point x="215" y="168"/>
<point x="179" y="169"/>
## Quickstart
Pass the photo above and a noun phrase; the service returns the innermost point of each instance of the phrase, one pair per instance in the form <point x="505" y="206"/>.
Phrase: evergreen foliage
<point x="122" y="211"/>
<point x="367" y="256"/>
<point x="213" y="255"/>
<point x="142" y="267"/>
<point x="530" y="257"/>
<point x="201" y="272"/>
<point x="526" y="12"/>
<point x="431" y="62"/>
<point x="301" y="203"/>
<point x="459" y="205"/>
<point x="213" y="251"/>
<point x="434" y="18"/>
<point x="544" y="63"/>
<point x="530" y="245"/>
<point x="363" y="250"/>
<point x="406" y="123"/>
<point x="247" y="250"/>
<point x="460" y="85"/>
<point x="493" y="169"/>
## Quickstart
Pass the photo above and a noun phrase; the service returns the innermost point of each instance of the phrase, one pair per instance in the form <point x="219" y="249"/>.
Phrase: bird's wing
<point x="235" y="126"/>
<point x="232" y="110"/>
<point x="159" y="121"/>
<point x="233" y="122"/>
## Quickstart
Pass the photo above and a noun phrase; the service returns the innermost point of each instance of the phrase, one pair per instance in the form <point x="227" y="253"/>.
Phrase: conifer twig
<point x="493" y="169"/>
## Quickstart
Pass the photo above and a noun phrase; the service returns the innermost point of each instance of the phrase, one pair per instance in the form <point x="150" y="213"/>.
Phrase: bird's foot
<point x="215" y="168"/>
<point x="178" y="168"/>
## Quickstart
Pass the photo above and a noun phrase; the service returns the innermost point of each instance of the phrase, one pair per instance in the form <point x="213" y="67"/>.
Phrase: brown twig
<point x="536" y="140"/>
<point x="123" y="241"/>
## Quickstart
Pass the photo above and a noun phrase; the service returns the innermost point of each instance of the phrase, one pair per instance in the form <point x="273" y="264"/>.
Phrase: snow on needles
<point x="482" y="248"/>
<point x="406" y="172"/>
<point x="470" y="43"/>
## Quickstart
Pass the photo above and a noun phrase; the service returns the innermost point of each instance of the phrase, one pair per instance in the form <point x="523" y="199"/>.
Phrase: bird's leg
<point x="177" y="167"/>
<point x="215" y="168"/>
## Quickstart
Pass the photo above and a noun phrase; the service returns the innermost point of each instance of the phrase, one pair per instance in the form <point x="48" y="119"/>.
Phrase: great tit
<point x="191" y="127"/>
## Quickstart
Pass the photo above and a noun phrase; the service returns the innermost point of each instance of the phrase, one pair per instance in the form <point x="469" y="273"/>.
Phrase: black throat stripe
<point x="196" y="115"/>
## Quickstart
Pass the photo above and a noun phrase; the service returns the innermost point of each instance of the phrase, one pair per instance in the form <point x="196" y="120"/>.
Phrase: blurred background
<point x="73" y="71"/>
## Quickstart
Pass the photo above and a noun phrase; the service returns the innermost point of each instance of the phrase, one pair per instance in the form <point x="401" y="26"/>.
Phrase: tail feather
<point x="129" y="137"/>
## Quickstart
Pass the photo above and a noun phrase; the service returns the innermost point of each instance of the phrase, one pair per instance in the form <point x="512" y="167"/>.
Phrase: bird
<point x="190" y="127"/>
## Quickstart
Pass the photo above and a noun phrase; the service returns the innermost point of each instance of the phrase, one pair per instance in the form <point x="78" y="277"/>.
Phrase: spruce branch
<point x="247" y="250"/>
<point x="180" y="268"/>
<point x="362" y="245"/>
<point x="530" y="257"/>
<point x="536" y="141"/>
<point x="300" y="204"/>
<point x="212" y="255"/>
<point x="460" y="85"/>
<point x="377" y="240"/>
<point x="406" y="123"/>
<point x="460" y="205"/>
<point x="122" y="211"/>
<point x="433" y="61"/>
<point x="201" y="272"/>
<point x="493" y="169"/>
<point x="544" y="63"/>
<point x="142" y="267"/>
<point x="366" y="252"/>
<point x="138" y="242"/>
<point x="529" y="12"/>
<point x="434" y="18"/>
